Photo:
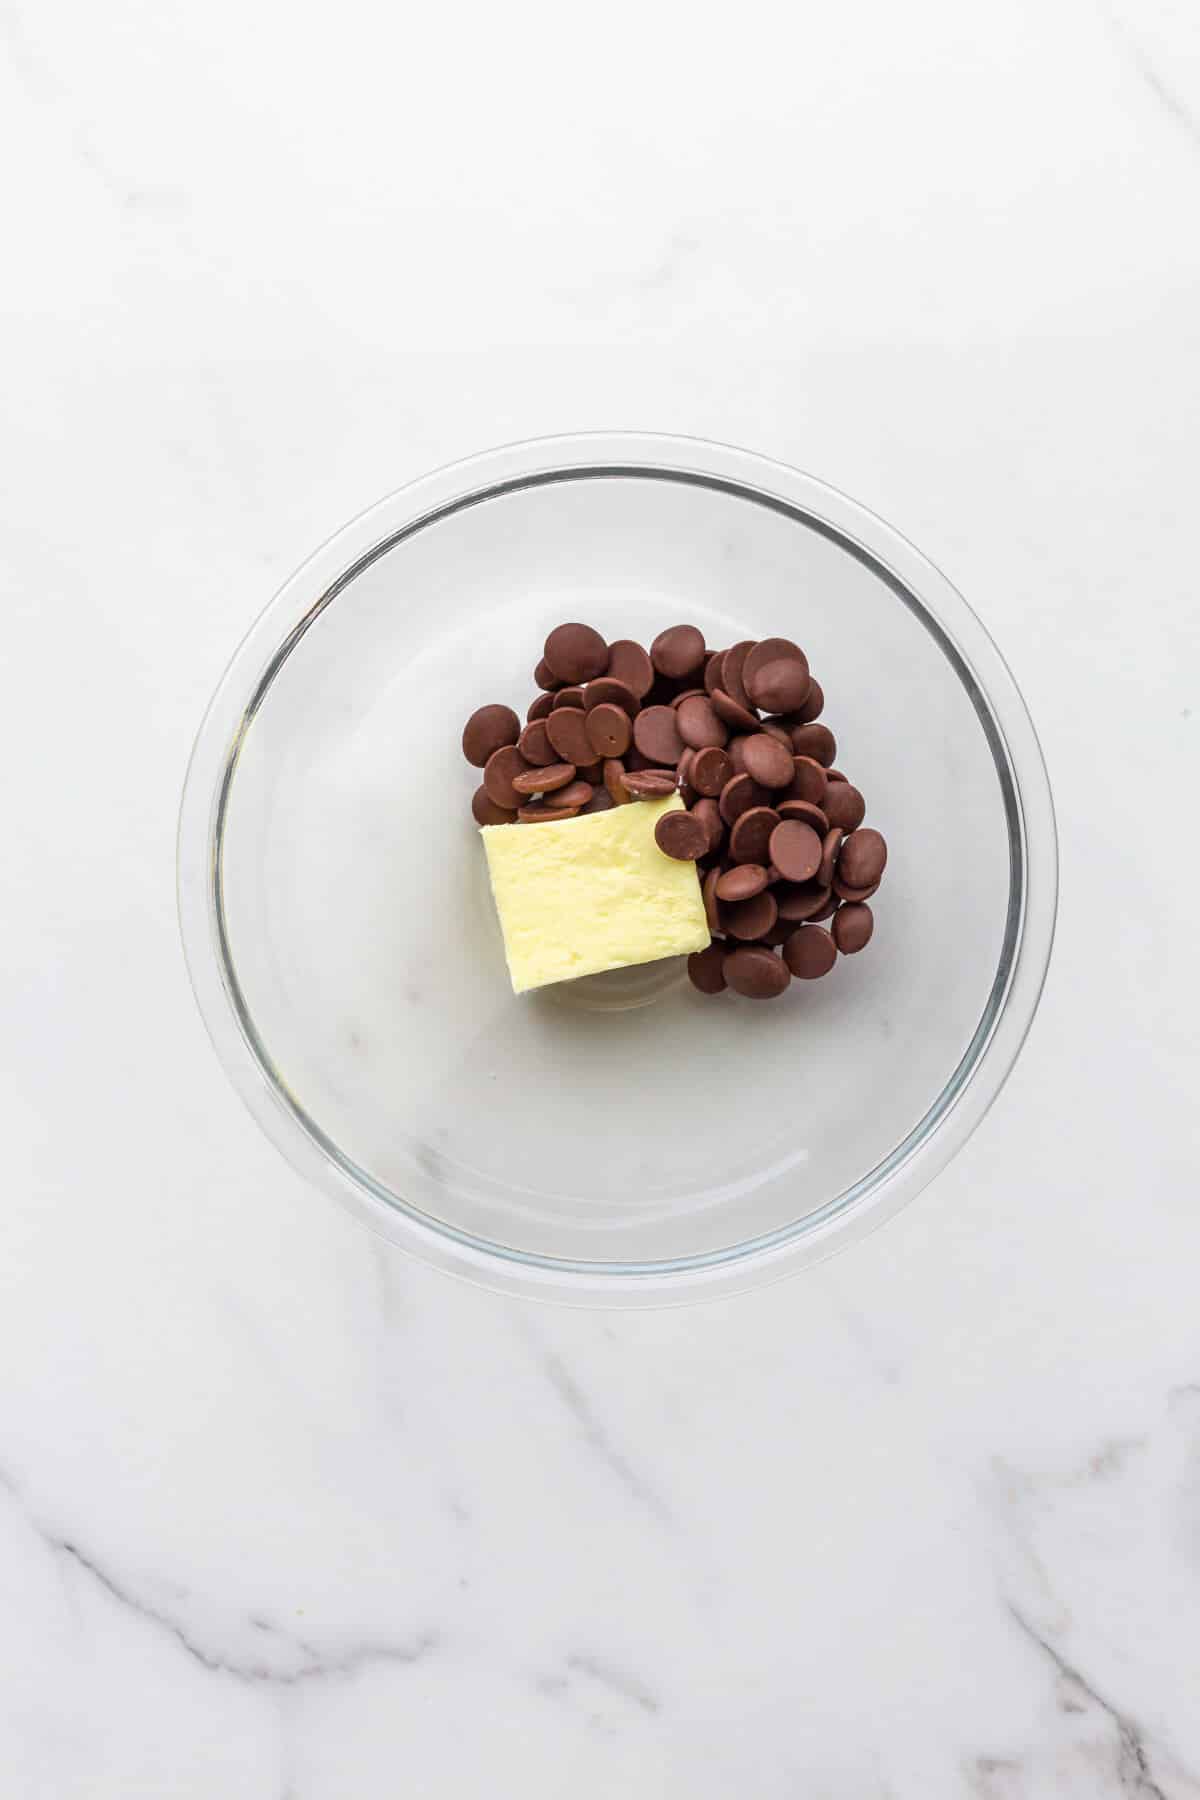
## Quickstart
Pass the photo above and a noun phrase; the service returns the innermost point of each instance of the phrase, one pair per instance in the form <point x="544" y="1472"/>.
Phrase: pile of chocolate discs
<point x="786" y="865"/>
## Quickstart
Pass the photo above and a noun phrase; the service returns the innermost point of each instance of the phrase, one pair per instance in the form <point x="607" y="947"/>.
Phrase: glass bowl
<point x="623" y="1139"/>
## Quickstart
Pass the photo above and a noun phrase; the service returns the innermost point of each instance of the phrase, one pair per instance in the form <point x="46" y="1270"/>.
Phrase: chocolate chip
<point x="862" y="859"/>
<point x="608" y="729"/>
<point x="803" y="901"/>
<point x="814" y="706"/>
<point x="545" y="677"/>
<point x="737" y="752"/>
<point x="601" y="801"/>
<point x="657" y="736"/>
<point x="486" y="812"/>
<point x="535" y="745"/>
<point x="712" y="671"/>
<point x="709" y="814"/>
<point x="490" y="728"/>
<point x="708" y="889"/>
<point x="614" y="780"/>
<point x="750" y="919"/>
<point x="732" y="664"/>
<point x="711" y="769"/>
<point x="779" y="731"/>
<point x="765" y="652"/>
<point x="795" y="850"/>
<point x="576" y="793"/>
<point x="544" y="781"/>
<point x="828" y="911"/>
<point x="734" y="714"/>
<point x="629" y="663"/>
<point x="498" y="774"/>
<point x="649" y="784"/>
<point x="742" y="883"/>
<point x="537" y="814"/>
<point x="567" y="730"/>
<point x="806" y="813"/>
<point x="809" y="781"/>
<point x="681" y="835"/>
<point x="608" y="691"/>
<point x="844" y="805"/>
<point x="540" y="708"/>
<point x="699" y="725"/>
<point x="852" y="927"/>
<point x="738" y="795"/>
<point x="576" y="653"/>
<point x="750" y="837"/>
<point x="830" y="845"/>
<point x="768" y="762"/>
<point x="568" y="696"/>
<point x="834" y="775"/>
<point x="691" y="693"/>
<point x="816" y="741"/>
<point x="779" y="686"/>
<point x="756" y="973"/>
<point x="677" y="651"/>
<point x="854" y="895"/>
<point x="706" y="969"/>
<point x="810" y="953"/>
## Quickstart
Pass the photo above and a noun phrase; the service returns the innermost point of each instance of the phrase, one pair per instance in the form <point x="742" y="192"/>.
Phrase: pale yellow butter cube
<point x="592" y="893"/>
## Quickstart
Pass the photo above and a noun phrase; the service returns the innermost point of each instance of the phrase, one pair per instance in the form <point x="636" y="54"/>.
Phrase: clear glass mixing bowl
<point x="619" y="1140"/>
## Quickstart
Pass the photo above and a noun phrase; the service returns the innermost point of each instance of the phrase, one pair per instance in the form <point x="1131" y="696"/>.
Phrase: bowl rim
<point x="1033" y="858"/>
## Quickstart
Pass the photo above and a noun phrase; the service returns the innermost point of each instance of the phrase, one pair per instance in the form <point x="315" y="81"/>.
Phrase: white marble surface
<point x="282" y="1518"/>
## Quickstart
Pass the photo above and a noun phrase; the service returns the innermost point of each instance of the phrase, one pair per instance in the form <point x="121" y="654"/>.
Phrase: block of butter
<point x="591" y="893"/>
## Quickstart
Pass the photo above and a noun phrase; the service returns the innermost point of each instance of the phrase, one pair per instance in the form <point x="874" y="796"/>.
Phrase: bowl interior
<point x="625" y="1121"/>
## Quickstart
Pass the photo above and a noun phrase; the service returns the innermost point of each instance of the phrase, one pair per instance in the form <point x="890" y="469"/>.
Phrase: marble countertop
<point x="283" y="1517"/>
